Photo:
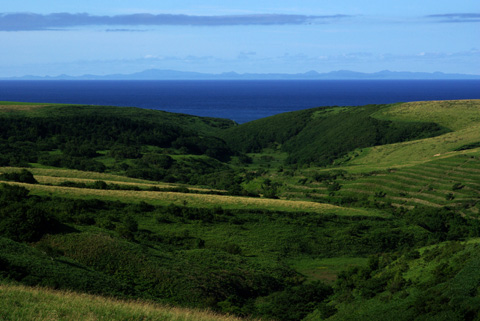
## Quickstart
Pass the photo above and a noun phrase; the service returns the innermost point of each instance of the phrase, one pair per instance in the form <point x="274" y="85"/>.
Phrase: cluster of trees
<point x="20" y="217"/>
<point x="83" y="136"/>
<point x="24" y="176"/>
<point x="75" y="141"/>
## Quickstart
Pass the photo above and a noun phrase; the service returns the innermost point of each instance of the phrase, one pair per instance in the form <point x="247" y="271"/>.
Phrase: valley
<point x="331" y="213"/>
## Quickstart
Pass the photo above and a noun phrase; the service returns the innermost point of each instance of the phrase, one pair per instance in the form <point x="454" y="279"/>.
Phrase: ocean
<point x="239" y="100"/>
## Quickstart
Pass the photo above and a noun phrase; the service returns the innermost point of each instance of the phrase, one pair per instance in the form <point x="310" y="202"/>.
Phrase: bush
<point x="24" y="176"/>
<point x="21" y="217"/>
<point x="24" y="223"/>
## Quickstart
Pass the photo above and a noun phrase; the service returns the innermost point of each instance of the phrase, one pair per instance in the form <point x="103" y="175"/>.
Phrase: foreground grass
<point x="25" y="303"/>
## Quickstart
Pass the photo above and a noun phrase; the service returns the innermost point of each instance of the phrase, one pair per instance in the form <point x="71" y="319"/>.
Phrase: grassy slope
<point x="29" y="304"/>
<point x="420" y="172"/>
<point x="461" y="116"/>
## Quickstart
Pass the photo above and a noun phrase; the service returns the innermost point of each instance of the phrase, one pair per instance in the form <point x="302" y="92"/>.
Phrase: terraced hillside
<point x="452" y="182"/>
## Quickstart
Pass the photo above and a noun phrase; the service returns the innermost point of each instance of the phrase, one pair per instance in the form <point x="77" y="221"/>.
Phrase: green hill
<point x="331" y="213"/>
<point x="203" y="125"/>
<point x="322" y="135"/>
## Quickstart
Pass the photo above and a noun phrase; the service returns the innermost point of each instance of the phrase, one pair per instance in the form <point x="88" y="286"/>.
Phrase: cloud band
<point x="31" y="21"/>
<point x="456" y="17"/>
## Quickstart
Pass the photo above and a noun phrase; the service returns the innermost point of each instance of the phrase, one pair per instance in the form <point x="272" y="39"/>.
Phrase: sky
<point x="53" y="37"/>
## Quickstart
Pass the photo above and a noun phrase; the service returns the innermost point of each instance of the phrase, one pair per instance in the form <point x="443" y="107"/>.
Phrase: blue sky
<point x="120" y="36"/>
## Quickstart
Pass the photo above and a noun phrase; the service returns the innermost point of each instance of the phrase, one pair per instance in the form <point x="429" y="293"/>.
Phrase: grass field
<point x="38" y="304"/>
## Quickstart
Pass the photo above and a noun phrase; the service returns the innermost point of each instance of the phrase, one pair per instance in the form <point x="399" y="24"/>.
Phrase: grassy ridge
<point x="461" y="116"/>
<point x="37" y="304"/>
<point x="453" y="114"/>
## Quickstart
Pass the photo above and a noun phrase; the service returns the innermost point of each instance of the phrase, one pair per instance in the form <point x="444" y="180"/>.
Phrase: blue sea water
<point x="241" y="101"/>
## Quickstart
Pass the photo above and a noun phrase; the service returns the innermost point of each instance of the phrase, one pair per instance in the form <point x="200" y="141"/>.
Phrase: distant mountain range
<point x="158" y="74"/>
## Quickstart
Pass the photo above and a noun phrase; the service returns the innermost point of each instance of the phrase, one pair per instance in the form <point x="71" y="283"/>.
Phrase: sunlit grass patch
<point x="56" y="176"/>
<point x="195" y="200"/>
<point x="73" y="173"/>
<point x="16" y="108"/>
<point x="453" y="114"/>
<point x="418" y="151"/>
<point x="326" y="269"/>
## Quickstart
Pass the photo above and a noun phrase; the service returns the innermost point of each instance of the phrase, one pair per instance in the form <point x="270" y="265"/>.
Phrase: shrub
<point x="24" y="176"/>
<point x="457" y="186"/>
<point x="23" y="223"/>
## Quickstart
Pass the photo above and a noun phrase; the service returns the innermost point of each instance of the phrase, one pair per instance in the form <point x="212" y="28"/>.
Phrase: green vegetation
<point x="135" y="143"/>
<point x="333" y="213"/>
<point x="435" y="283"/>
<point x="321" y="136"/>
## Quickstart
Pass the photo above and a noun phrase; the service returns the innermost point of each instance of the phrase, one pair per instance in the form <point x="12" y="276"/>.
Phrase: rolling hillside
<point x="305" y="215"/>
